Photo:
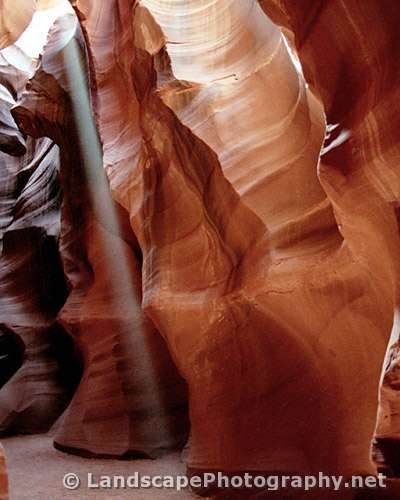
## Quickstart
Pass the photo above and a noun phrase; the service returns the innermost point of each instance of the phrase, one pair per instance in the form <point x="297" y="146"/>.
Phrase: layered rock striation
<point x="229" y="223"/>
<point x="32" y="286"/>
<point x="131" y="400"/>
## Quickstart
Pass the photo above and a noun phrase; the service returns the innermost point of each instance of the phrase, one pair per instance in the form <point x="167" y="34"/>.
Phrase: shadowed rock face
<point x="131" y="400"/>
<point x="12" y="351"/>
<point x="32" y="282"/>
<point x="245" y="232"/>
<point x="40" y="390"/>
<point x="3" y="476"/>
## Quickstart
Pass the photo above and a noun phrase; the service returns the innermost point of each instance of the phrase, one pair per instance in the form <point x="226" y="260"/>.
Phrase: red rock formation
<point x="131" y="399"/>
<point x="263" y="205"/>
<point x="32" y="283"/>
<point x="40" y="390"/>
<point x="352" y="69"/>
<point x="3" y="476"/>
<point x="286" y="295"/>
<point x="386" y="444"/>
<point x="281" y="269"/>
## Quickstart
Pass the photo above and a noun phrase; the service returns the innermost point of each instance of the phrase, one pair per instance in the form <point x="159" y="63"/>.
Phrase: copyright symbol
<point x="71" y="481"/>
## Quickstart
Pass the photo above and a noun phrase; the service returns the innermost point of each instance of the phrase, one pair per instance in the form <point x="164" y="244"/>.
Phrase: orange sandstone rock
<point x="131" y="399"/>
<point x="259" y="193"/>
<point x="14" y="19"/>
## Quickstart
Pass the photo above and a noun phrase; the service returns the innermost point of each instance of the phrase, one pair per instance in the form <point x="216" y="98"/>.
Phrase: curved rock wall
<point x="352" y="69"/>
<point x="245" y="235"/>
<point x="32" y="286"/>
<point x="131" y="400"/>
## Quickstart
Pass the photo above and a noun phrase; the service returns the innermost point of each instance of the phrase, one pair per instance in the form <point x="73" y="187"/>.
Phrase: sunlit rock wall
<point x="352" y="69"/>
<point x="271" y="350"/>
<point x="228" y="216"/>
<point x="15" y="17"/>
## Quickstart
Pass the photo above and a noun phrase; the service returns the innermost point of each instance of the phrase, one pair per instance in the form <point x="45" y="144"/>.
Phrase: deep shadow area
<point x="12" y="351"/>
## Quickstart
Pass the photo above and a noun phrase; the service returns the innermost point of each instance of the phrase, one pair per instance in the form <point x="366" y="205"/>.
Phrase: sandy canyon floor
<point x="36" y="472"/>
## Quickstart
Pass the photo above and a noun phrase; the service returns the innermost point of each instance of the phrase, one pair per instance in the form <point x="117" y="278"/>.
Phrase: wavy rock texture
<point x="264" y="210"/>
<point x="386" y="446"/>
<point x="352" y="69"/>
<point x="32" y="285"/>
<point x="131" y="400"/>
<point x="109" y="35"/>
<point x="257" y="278"/>
<point x="274" y="308"/>
<point x="3" y="476"/>
<point x="267" y="149"/>
<point x="40" y="390"/>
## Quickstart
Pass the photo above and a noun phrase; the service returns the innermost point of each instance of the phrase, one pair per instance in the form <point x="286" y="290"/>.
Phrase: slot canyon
<point x="199" y="247"/>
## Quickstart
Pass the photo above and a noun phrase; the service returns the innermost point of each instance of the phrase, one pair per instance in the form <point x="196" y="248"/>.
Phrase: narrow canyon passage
<point x="199" y="245"/>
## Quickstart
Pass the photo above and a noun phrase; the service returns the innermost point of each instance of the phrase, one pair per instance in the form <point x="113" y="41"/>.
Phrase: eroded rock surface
<point x="131" y="400"/>
<point x="247" y="222"/>
<point x="37" y="394"/>
<point x="3" y="476"/>
<point x="32" y="282"/>
<point x="352" y="70"/>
